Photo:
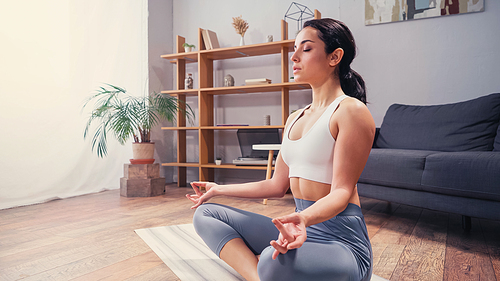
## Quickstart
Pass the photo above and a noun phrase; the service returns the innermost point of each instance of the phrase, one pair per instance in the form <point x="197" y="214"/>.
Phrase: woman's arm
<point x="356" y="130"/>
<point x="272" y="188"/>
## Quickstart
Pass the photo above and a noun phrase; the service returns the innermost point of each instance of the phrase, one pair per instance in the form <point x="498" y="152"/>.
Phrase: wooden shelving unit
<point x="206" y="92"/>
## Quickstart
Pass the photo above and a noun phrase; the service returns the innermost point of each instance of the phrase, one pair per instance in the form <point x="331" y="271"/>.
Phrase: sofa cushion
<point x="474" y="174"/>
<point x="496" y="145"/>
<point x="395" y="168"/>
<point x="463" y="126"/>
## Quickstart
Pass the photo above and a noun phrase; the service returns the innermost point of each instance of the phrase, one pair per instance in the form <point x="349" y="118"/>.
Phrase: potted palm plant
<point x="128" y="117"/>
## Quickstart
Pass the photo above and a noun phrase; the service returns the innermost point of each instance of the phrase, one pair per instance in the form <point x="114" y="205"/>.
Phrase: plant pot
<point x="143" y="153"/>
<point x="218" y="162"/>
<point x="188" y="49"/>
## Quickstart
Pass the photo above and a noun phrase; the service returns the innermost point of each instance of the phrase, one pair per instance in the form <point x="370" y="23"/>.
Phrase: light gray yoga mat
<point x="185" y="253"/>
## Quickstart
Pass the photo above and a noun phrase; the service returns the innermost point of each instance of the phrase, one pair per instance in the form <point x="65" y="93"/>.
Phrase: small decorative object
<point x="269" y="38"/>
<point x="267" y="120"/>
<point x="292" y="79"/>
<point x="241" y="26"/>
<point x="187" y="47"/>
<point x="228" y="81"/>
<point x="218" y="161"/>
<point x="299" y="13"/>
<point x="188" y="82"/>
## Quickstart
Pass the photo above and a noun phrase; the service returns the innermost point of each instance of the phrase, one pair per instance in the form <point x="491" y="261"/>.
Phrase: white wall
<point x="160" y="28"/>
<point x="428" y="61"/>
<point x="54" y="54"/>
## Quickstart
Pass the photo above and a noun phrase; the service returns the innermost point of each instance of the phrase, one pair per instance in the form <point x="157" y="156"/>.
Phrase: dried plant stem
<point x="240" y="25"/>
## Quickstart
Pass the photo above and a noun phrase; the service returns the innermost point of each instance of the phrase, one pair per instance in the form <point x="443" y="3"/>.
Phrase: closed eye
<point x="302" y="43"/>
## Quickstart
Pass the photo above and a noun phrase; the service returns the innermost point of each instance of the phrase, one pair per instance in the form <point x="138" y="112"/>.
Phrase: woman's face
<point x="310" y="62"/>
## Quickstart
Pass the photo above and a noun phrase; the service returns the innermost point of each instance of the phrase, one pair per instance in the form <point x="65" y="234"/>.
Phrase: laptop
<point x="249" y="137"/>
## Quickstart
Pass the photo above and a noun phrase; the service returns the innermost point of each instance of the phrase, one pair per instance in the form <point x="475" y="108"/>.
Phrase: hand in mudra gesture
<point x="199" y="197"/>
<point x="292" y="233"/>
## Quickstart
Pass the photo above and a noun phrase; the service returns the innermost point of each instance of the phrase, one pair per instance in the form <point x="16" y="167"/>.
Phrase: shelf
<point x="176" y="164"/>
<point x="266" y="88"/>
<point x="240" y="127"/>
<point x="260" y="49"/>
<point x="214" y="166"/>
<point x="206" y="98"/>
<point x="221" y="128"/>
<point x="232" y="166"/>
<point x="189" y="92"/>
<point x="189" y="57"/>
<point x="180" y="128"/>
<point x="276" y="87"/>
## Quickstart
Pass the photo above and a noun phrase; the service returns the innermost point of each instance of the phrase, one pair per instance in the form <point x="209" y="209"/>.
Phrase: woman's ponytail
<point x="335" y="34"/>
<point x="353" y="85"/>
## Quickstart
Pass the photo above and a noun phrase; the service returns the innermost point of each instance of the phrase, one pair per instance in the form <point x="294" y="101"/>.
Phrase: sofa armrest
<point x="377" y="132"/>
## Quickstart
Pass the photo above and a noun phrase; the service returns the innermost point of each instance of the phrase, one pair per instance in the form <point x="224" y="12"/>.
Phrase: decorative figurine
<point x="188" y="82"/>
<point x="228" y="81"/>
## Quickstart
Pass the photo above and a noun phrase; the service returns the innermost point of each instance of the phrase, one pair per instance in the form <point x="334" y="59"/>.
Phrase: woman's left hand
<point x="292" y="233"/>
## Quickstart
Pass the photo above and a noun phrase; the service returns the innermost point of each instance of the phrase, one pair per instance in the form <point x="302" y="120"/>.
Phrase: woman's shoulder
<point x="352" y="105"/>
<point x="354" y="111"/>
<point x="352" y="102"/>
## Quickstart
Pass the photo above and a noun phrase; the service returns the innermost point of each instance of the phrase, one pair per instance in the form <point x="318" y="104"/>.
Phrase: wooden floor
<point x="92" y="237"/>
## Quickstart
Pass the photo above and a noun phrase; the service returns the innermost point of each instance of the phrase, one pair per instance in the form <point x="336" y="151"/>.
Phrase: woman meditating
<point x="325" y="148"/>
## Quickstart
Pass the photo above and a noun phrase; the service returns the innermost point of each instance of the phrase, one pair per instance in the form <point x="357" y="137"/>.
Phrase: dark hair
<point x="335" y="34"/>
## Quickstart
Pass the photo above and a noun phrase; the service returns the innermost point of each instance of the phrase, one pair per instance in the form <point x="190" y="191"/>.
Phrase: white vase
<point x="242" y="41"/>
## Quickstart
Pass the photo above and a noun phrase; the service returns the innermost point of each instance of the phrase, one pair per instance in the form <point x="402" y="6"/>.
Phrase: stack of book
<point x="258" y="81"/>
<point x="210" y="39"/>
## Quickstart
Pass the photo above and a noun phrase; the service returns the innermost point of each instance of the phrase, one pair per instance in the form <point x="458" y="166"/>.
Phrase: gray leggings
<point x="337" y="249"/>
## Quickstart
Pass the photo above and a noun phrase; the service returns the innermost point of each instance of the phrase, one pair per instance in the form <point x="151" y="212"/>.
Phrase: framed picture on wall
<point x="384" y="11"/>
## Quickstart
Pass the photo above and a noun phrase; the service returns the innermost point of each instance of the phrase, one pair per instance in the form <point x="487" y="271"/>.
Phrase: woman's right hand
<point x="199" y="197"/>
<point x="292" y="233"/>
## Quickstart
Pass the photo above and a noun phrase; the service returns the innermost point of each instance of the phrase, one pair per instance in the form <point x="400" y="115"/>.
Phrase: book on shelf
<point x="210" y="39"/>
<point x="258" y="81"/>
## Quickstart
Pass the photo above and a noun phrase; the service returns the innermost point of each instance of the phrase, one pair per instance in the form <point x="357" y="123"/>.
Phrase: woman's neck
<point x="325" y="93"/>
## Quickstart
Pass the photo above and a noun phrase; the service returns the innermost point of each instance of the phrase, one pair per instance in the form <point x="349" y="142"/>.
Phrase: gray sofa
<point x="439" y="157"/>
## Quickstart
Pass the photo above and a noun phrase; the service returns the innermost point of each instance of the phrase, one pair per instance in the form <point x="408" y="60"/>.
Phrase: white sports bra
<point x="311" y="156"/>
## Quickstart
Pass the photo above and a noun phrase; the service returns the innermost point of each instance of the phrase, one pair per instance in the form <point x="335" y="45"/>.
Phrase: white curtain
<point x="53" y="55"/>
